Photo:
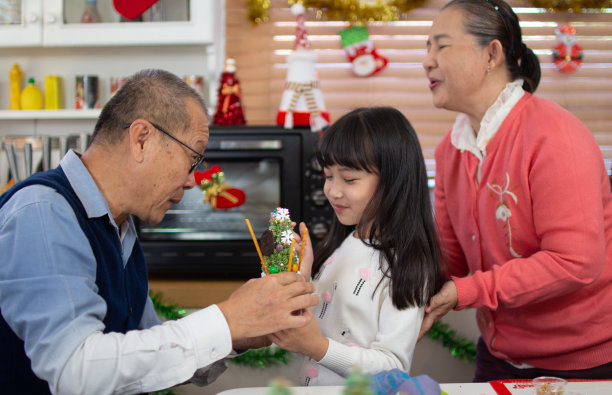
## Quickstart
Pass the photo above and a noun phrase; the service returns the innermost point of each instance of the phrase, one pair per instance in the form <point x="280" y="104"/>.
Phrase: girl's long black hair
<point x="398" y="220"/>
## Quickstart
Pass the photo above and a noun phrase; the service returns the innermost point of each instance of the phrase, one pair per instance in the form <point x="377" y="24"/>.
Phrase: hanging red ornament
<point x="132" y="9"/>
<point x="216" y="192"/>
<point x="229" y="108"/>
<point x="567" y="54"/>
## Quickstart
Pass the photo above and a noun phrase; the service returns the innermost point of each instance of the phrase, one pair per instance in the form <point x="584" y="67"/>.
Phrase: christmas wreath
<point x="354" y="11"/>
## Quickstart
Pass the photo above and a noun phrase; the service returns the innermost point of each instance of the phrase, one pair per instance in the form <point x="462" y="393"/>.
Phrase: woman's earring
<point x="488" y="68"/>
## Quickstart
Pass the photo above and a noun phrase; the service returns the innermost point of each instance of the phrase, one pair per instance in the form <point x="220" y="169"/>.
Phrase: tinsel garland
<point x="459" y="347"/>
<point x="576" y="6"/>
<point x="263" y="357"/>
<point x="164" y="311"/>
<point x="361" y="12"/>
<point x="353" y="11"/>
<point x="257" y="11"/>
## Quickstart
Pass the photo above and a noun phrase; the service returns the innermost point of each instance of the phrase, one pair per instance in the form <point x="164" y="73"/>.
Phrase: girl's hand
<point x="308" y="257"/>
<point x="307" y="340"/>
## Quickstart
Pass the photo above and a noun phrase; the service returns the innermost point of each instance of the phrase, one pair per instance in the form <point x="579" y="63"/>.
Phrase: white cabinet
<point x="29" y="31"/>
<point x="44" y="24"/>
<point x="51" y="41"/>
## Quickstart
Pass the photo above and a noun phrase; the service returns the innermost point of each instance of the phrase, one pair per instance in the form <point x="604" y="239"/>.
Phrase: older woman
<point x="523" y="204"/>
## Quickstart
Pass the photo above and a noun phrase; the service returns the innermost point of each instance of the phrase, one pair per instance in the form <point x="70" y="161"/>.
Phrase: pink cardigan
<point x="530" y="246"/>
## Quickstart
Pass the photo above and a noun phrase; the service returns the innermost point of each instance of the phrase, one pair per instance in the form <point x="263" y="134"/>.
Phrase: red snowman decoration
<point x="567" y="54"/>
<point x="217" y="193"/>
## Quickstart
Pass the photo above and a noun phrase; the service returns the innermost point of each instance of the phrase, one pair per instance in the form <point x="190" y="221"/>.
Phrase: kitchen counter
<point x="193" y="293"/>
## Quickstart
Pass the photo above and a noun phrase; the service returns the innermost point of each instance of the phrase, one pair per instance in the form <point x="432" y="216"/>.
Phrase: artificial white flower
<point x="287" y="236"/>
<point x="281" y="214"/>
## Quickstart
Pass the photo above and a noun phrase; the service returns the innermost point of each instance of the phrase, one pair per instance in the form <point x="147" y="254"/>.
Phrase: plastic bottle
<point x="31" y="97"/>
<point x="90" y="13"/>
<point x="53" y="92"/>
<point x="15" y="87"/>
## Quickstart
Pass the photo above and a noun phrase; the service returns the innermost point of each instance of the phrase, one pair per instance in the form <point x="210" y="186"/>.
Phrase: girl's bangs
<point x="350" y="148"/>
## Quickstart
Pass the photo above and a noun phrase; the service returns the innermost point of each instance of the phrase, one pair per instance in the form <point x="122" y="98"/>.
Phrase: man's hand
<point x="440" y="304"/>
<point x="265" y="305"/>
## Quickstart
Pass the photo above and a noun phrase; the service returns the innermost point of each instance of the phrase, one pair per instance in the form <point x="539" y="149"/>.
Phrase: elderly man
<point x="75" y="312"/>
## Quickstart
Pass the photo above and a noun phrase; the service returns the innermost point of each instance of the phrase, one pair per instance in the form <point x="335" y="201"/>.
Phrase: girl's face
<point x="349" y="191"/>
<point x="456" y="65"/>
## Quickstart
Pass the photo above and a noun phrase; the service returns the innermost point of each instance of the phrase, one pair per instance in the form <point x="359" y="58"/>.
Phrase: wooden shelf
<point x="29" y="115"/>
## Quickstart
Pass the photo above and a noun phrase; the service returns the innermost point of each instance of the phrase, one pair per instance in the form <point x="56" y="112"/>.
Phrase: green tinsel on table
<point x="263" y="357"/>
<point x="459" y="347"/>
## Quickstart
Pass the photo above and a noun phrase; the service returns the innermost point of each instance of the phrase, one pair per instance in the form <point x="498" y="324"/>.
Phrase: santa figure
<point x="567" y="55"/>
<point x="302" y="102"/>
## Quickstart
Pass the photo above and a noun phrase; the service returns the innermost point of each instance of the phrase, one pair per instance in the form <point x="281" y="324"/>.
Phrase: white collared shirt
<point x="463" y="136"/>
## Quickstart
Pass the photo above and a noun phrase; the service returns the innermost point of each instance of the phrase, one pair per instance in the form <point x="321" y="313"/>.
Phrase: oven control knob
<point x="315" y="164"/>
<point x="318" y="197"/>
<point x="319" y="230"/>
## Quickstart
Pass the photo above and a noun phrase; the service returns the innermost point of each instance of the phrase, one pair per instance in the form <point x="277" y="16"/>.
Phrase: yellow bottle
<point x="31" y="97"/>
<point x="53" y="92"/>
<point x="15" y="87"/>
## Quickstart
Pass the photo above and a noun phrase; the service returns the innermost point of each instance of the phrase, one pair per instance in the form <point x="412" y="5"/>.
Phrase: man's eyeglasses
<point x="200" y="157"/>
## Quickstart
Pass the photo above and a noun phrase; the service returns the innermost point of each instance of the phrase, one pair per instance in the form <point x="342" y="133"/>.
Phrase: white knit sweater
<point x="364" y="329"/>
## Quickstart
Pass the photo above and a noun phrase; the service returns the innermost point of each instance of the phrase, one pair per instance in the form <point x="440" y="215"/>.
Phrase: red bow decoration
<point x="218" y="194"/>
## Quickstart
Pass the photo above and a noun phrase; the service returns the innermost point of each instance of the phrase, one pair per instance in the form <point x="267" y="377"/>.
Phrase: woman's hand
<point x="307" y="340"/>
<point x="440" y="304"/>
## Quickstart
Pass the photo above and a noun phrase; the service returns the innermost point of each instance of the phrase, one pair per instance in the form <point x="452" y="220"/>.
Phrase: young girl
<point x="379" y="264"/>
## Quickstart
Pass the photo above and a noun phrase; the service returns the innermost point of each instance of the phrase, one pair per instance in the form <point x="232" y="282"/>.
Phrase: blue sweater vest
<point x="123" y="289"/>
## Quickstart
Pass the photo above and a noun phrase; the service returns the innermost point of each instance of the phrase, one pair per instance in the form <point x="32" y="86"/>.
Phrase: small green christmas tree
<point x="358" y="383"/>
<point x="276" y="243"/>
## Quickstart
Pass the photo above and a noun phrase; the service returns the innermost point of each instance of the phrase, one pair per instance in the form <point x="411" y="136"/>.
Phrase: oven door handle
<point x="236" y="145"/>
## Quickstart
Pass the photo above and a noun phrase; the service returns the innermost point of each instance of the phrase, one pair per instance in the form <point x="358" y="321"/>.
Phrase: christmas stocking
<point x="360" y="51"/>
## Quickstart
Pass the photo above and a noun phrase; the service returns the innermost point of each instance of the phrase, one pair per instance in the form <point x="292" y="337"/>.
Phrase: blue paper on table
<point x="390" y="382"/>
